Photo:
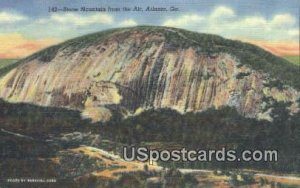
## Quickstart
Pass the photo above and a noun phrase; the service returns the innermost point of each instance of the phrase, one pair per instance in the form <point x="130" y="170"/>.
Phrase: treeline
<point x="38" y="121"/>
<point x="211" y="129"/>
<point x="214" y="129"/>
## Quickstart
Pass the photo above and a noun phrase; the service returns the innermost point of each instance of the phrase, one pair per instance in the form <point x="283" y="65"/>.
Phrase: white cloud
<point x="282" y="20"/>
<point x="66" y="26"/>
<point x="222" y="11"/>
<point x="6" y="17"/>
<point x="253" y="21"/>
<point x="293" y="32"/>
<point x="184" y="20"/>
<point x="223" y="21"/>
<point x="79" y="20"/>
<point x="128" y="23"/>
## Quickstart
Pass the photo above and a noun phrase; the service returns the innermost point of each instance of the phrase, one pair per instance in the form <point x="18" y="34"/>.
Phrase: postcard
<point x="154" y="94"/>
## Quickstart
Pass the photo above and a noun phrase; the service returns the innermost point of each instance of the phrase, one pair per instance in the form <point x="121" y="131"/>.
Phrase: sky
<point x="28" y="26"/>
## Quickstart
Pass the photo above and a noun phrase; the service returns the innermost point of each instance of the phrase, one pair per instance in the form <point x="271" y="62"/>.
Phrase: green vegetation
<point x="242" y="75"/>
<point x="6" y="62"/>
<point x="214" y="129"/>
<point x="39" y="121"/>
<point x="211" y="129"/>
<point x="293" y="59"/>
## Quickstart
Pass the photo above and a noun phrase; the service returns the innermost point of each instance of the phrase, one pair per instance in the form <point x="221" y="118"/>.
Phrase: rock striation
<point x="134" y="69"/>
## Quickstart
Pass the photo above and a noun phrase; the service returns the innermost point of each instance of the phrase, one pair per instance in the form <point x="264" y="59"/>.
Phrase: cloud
<point x="15" y="45"/>
<point x="258" y="27"/>
<point x="67" y="25"/>
<point x="221" y="12"/>
<point x="283" y="20"/>
<point x="293" y="33"/>
<point x="184" y="20"/>
<point x="6" y="17"/>
<point x="223" y="21"/>
<point x="252" y="21"/>
<point x="78" y="20"/>
<point x="128" y="23"/>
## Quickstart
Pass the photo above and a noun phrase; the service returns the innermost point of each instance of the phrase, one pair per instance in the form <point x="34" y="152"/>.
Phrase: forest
<point x="211" y="129"/>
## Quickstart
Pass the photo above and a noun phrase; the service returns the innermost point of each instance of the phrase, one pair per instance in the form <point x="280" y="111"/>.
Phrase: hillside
<point x="6" y="62"/>
<point x="293" y="59"/>
<point x="130" y="70"/>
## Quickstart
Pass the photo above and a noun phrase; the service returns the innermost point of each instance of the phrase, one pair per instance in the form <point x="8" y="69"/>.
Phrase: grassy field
<point x="293" y="59"/>
<point x="6" y="62"/>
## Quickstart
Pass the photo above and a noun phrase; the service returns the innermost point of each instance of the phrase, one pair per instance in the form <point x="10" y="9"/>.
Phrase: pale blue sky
<point x="268" y="20"/>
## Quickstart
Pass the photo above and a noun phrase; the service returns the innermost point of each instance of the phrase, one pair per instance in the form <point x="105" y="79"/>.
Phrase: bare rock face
<point x="135" y="69"/>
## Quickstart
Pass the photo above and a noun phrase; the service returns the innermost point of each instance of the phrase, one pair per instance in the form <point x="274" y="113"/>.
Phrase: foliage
<point x="293" y="59"/>
<point x="214" y="129"/>
<point x="6" y="65"/>
<point x="39" y="121"/>
<point x="211" y="129"/>
<point x="242" y="75"/>
<point x="6" y="62"/>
